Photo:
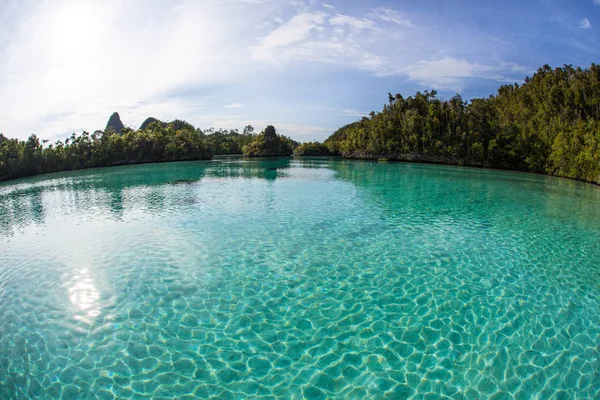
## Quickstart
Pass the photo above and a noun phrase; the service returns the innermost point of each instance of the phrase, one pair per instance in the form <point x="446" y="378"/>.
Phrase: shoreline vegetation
<point x="154" y="142"/>
<point x="548" y="125"/>
<point x="270" y="144"/>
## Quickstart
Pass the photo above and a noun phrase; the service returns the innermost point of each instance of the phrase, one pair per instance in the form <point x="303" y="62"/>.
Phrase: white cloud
<point x="69" y="65"/>
<point x="585" y="23"/>
<point x="264" y="25"/>
<point x="332" y="7"/>
<point x="302" y="132"/>
<point x="353" y="113"/>
<point x="298" y="131"/>
<point x="596" y="2"/>
<point x="246" y="1"/>
<point x="352" y="22"/>
<point x="295" y="30"/>
<point x="304" y="38"/>
<point x="65" y="66"/>
<point x="449" y="73"/>
<point x="444" y="73"/>
<point x="235" y="105"/>
<point x="389" y="15"/>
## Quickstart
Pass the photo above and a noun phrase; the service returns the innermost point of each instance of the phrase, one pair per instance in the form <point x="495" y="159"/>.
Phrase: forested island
<point x="154" y="141"/>
<point x="313" y="149"/>
<point x="269" y="143"/>
<point x="550" y="124"/>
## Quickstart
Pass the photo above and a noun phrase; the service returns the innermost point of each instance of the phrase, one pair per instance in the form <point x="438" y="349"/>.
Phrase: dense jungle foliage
<point x="269" y="143"/>
<point x="156" y="142"/>
<point x="231" y="142"/>
<point x="312" y="149"/>
<point x="550" y="124"/>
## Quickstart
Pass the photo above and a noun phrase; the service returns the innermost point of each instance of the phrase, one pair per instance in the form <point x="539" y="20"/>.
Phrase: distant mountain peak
<point x="149" y="121"/>
<point x="114" y="123"/>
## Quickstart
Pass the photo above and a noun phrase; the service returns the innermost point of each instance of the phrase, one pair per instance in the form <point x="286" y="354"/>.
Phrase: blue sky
<point x="305" y="66"/>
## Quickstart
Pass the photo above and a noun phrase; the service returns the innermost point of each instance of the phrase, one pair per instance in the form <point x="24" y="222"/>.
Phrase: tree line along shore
<point x="549" y="124"/>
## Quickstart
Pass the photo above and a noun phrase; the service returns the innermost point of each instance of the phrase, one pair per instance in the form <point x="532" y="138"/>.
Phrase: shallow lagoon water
<point x="305" y="278"/>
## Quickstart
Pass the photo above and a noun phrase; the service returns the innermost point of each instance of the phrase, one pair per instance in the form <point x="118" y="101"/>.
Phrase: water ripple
<point x="299" y="279"/>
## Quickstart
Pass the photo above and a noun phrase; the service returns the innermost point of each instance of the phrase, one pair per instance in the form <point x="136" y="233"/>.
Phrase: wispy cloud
<point x="235" y="105"/>
<point x="352" y="22"/>
<point x="299" y="131"/>
<point x="389" y="15"/>
<point x="596" y="2"/>
<point x="246" y="1"/>
<point x="295" y="30"/>
<point x="55" y="82"/>
<point x="353" y="113"/>
<point x="306" y="37"/>
<point x="304" y="132"/>
<point x="585" y="23"/>
<point x="110" y="64"/>
<point x="449" y="73"/>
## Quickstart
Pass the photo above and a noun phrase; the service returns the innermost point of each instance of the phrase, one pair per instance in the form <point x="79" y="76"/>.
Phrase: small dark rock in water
<point x="114" y="123"/>
<point x="179" y="181"/>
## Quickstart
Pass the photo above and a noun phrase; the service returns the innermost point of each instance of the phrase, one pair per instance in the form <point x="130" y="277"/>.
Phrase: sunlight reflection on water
<point x="299" y="279"/>
<point x="83" y="293"/>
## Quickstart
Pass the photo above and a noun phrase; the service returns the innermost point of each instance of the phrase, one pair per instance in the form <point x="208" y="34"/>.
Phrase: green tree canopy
<point x="268" y="143"/>
<point x="550" y="125"/>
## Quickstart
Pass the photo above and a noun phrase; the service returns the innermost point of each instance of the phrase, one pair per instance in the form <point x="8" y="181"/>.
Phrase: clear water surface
<point x="298" y="279"/>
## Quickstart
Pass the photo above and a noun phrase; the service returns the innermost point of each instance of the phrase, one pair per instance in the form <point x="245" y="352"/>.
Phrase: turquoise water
<point x="299" y="279"/>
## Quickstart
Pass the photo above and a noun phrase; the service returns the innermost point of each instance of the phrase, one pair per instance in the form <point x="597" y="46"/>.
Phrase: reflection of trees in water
<point x="543" y="227"/>
<point x="22" y="209"/>
<point x="486" y="198"/>
<point x="251" y="168"/>
<point x="318" y="162"/>
<point x="460" y="191"/>
<point x="149" y="185"/>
